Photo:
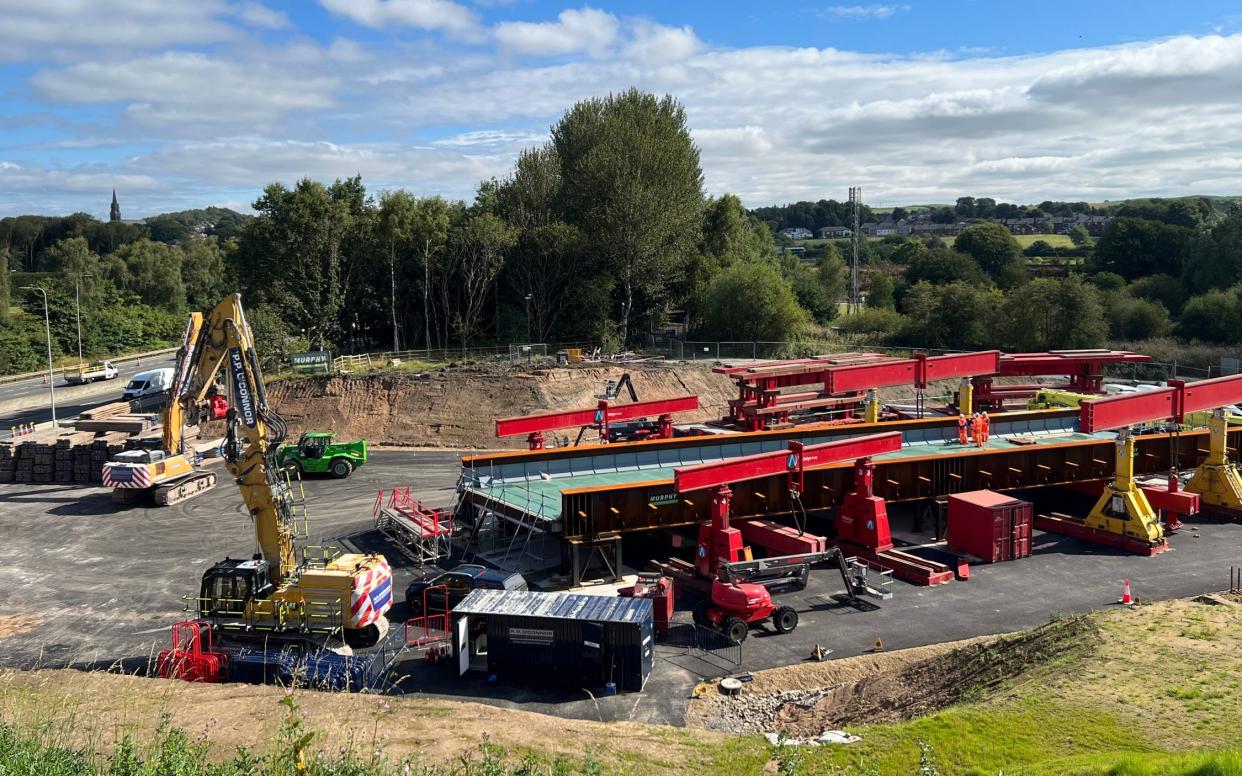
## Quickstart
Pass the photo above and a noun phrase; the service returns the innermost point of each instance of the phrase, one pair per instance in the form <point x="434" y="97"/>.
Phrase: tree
<point x="751" y="301"/>
<point x="1053" y="314"/>
<point x="1136" y="319"/>
<point x="898" y="213"/>
<point x="985" y="207"/>
<point x="957" y="314"/>
<point x="397" y="216"/>
<point x="1108" y="281"/>
<point x="291" y="253"/>
<point x="965" y="207"/>
<point x="430" y="234"/>
<point x="731" y="234"/>
<point x="631" y="181"/>
<point x="1039" y="248"/>
<point x="873" y="323"/>
<point x="1079" y="236"/>
<point x="1134" y="247"/>
<point x="1214" y="258"/>
<point x="943" y="266"/>
<point x="69" y="257"/>
<point x="548" y="260"/>
<point x="880" y="291"/>
<point x="1212" y="317"/>
<point x="1165" y="289"/>
<point x="204" y="273"/>
<point x="478" y="247"/>
<point x="995" y="250"/>
<point x="813" y="296"/>
<point x="153" y="270"/>
<point x="5" y="291"/>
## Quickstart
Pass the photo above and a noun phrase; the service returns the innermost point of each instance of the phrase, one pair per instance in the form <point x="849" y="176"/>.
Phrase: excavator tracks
<point x="184" y="489"/>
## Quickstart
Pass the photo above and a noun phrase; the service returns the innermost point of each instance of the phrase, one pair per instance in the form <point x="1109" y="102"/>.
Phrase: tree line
<point x="603" y="233"/>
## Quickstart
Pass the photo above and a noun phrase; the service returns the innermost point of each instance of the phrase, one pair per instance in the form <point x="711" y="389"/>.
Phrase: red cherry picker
<point x="740" y="593"/>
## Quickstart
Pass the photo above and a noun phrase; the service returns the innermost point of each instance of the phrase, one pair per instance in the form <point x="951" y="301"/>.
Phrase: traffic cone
<point x="819" y="653"/>
<point x="1126" y="598"/>
<point x="879" y="645"/>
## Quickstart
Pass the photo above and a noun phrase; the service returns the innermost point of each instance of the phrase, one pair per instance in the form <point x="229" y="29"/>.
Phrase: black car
<point x="457" y="585"/>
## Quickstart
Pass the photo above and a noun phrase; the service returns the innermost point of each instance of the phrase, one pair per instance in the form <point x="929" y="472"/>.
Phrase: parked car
<point x="459" y="582"/>
<point x="89" y="373"/>
<point x="148" y="383"/>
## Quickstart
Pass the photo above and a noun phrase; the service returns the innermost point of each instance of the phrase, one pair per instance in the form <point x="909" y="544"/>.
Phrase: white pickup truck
<point x="89" y="373"/>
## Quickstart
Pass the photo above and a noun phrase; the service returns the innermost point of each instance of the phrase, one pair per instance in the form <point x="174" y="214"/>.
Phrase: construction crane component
<point x="168" y="475"/>
<point x="741" y="594"/>
<point x="720" y="542"/>
<point x="1216" y="481"/>
<point x="273" y="595"/>
<point x="601" y="417"/>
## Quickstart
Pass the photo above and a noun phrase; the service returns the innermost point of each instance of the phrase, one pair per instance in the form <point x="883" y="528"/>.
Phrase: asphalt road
<point x="91" y="585"/>
<point x="28" y="401"/>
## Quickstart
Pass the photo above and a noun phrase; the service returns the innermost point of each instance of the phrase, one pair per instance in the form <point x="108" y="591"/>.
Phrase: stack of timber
<point x="79" y="455"/>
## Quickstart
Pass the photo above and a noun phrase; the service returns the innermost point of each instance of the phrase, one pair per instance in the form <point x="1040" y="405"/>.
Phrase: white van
<point x="147" y="383"/>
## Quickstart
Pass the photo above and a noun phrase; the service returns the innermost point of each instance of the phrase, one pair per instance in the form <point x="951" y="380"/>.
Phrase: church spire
<point x="115" y="213"/>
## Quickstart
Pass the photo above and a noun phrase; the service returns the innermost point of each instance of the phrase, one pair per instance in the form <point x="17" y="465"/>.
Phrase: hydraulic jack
<point x="1216" y="480"/>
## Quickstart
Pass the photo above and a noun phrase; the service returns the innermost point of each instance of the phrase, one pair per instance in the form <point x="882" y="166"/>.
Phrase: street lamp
<point x="77" y="305"/>
<point x="47" y="323"/>
<point x="527" y="301"/>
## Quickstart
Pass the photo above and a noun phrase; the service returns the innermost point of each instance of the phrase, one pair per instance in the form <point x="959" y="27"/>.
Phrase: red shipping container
<point x="991" y="526"/>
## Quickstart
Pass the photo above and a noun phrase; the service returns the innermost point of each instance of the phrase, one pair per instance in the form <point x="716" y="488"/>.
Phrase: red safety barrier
<point x="192" y="657"/>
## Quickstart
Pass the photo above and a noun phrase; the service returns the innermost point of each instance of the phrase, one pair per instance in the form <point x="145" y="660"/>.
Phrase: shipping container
<point x="990" y="526"/>
<point x="556" y="638"/>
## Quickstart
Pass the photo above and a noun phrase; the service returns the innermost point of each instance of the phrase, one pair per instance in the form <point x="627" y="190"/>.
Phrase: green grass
<point x="1055" y="240"/>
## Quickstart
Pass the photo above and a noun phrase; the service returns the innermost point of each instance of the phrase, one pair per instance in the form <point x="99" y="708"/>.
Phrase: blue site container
<point x="557" y="638"/>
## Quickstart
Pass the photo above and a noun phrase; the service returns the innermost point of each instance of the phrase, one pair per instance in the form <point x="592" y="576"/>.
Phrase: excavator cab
<point x="231" y="585"/>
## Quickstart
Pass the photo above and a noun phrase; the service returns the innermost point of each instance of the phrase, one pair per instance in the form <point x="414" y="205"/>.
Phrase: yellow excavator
<point x="273" y="595"/>
<point x="167" y="475"/>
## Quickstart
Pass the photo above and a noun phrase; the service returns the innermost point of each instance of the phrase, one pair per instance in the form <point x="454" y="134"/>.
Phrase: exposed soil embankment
<point x="457" y="406"/>
<point x="805" y="700"/>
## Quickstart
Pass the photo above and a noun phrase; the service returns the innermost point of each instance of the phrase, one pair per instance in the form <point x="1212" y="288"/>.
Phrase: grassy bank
<point x="1157" y="690"/>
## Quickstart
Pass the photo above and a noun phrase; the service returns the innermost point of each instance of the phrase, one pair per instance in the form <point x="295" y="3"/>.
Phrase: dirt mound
<point x="804" y="700"/>
<point x="933" y="684"/>
<point x="457" y="406"/>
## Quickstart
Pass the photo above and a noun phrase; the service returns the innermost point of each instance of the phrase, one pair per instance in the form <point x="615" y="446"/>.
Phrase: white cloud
<point x="586" y="29"/>
<point x="876" y="11"/>
<point x="442" y="15"/>
<point x="259" y="15"/>
<point x="656" y="43"/>
<point x="187" y="88"/>
<point x="773" y="123"/>
<point x="61" y="27"/>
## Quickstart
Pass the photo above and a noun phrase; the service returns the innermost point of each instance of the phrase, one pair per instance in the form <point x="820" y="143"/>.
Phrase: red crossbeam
<point x="1162" y="404"/>
<point x="1210" y="394"/>
<point x="1127" y="410"/>
<point x="1065" y="362"/>
<point x="984" y="362"/>
<point x="751" y="467"/>
<point x="551" y="421"/>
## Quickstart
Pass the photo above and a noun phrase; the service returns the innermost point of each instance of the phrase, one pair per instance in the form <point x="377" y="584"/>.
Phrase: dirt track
<point x="456" y="407"/>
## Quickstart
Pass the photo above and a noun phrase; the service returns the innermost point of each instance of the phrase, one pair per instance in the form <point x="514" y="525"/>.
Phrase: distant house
<point x="829" y="232"/>
<point x="1095" y="225"/>
<point x="797" y="233"/>
<point x="884" y="228"/>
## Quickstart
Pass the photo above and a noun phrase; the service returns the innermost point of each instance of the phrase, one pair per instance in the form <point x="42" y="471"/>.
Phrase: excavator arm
<point x="223" y="340"/>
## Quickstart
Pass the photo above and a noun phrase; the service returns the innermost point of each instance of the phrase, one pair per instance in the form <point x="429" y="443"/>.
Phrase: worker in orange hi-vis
<point x="987" y="428"/>
<point x="976" y="429"/>
<point x="961" y="430"/>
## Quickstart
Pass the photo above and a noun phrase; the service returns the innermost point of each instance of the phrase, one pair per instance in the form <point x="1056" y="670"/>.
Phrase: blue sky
<point x="188" y="103"/>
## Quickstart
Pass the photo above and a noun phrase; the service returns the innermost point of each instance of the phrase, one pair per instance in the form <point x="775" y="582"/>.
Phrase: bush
<point x="873" y="322"/>
<point x="1211" y="317"/>
<point x="1165" y="289"/>
<point x="751" y="301"/>
<point x="1130" y="318"/>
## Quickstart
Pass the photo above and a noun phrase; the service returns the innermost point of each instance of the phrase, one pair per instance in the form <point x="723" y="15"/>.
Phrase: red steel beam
<point x="1210" y="394"/>
<point x="860" y="377"/>
<point x="986" y="362"/>
<point x="551" y="421"/>
<point x="751" y="467"/>
<point x="1128" y="410"/>
<point x="1064" y="362"/>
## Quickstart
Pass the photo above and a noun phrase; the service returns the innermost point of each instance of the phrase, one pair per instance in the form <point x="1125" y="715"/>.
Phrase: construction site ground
<point x="87" y="585"/>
